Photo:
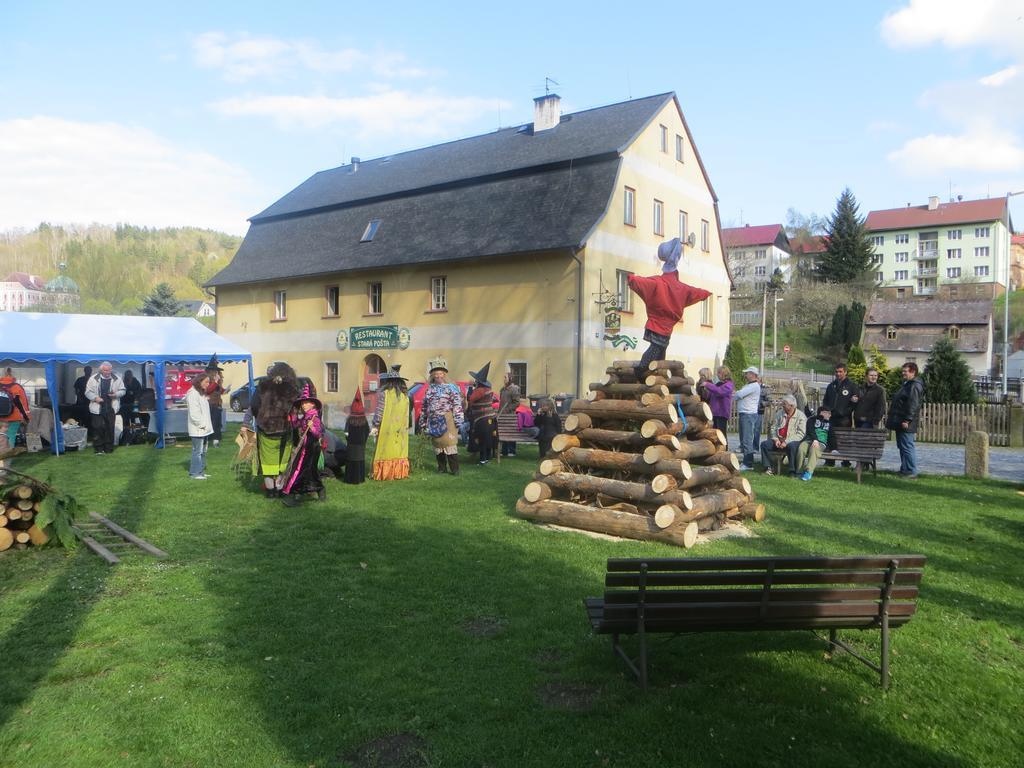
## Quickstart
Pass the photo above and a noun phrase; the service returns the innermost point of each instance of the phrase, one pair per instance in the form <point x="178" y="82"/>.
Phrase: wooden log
<point x="753" y="511"/>
<point x="37" y="536"/>
<point x="626" y="365"/>
<point x="666" y="515"/>
<point x="36" y="506"/>
<point x="622" y="376"/>
<point x="25" y="505"/>
<point x="612" y="521"/>
<point x="21" y="537"/>
<point x="726" y="459"/>
<point x="574" y="422"/>
<point x="6" y="539"/>
<point x="716" y="501"/>
<point x="709" y="523"/>
<point x="729" y="513"/>
<point x="737" y="483"/>
<point x="705" y="476"/>
<point x="13" y="513"/>
<point x="629" y="390"/>
<point x="21" y="492"/>
<point x="537" y="491"/>
<point x="676" y="384"/>
<point x="663" y="483"/>
<point x="550" y="466"/>
<point x="669" y="441"/>
<point x="607" y="438"/>
<point x="624" y="410"/>
<point x="560" y="443"/>
<point x="3" y="520"/>
<point x="675" y="366"/>
<point x="714" y="435"/>
<point x="619" y="489"/>
<point x="621" y="461"/>
<point x="27" y="516"/>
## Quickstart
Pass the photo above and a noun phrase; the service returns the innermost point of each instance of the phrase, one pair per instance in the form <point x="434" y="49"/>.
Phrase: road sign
<point x="785" y="349"/>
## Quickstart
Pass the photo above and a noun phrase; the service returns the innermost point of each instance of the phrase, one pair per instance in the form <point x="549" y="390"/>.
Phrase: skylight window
<point x="371" y="230"/>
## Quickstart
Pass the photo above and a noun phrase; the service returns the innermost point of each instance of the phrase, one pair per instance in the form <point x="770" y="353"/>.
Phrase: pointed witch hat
<point x="213" y="364"/>
<point x="480" y="377"/>
<point x="356" y="409"/>
<point x="307" y="396"/>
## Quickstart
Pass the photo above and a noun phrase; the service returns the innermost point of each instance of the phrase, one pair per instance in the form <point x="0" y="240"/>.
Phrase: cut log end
<point x="663" y="483"/>
<point x="537" y="491"/>
<point x="690" y="534"/>
<point x="550" y="466"/>
<point x="655" y="453"/>
<point x="564" y="442"/>
<point x="666" y="514"/>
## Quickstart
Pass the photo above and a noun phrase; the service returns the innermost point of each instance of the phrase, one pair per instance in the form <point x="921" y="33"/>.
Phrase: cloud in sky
<point x="388" y="111"/>
<point x="64" y="171"/>
<point x="242" y="57"/>
<point x="979" y="112"/>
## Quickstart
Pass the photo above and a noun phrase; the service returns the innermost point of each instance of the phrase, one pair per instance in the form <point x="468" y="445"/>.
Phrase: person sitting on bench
<point x="814" y="443"/>
<point x="787" y="432"/>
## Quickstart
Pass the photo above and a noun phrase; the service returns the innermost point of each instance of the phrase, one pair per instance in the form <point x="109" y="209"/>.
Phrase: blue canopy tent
<point x="52" y="339"/>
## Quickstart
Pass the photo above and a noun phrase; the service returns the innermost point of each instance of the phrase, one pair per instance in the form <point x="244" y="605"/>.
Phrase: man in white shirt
<point x="747" y="399"/>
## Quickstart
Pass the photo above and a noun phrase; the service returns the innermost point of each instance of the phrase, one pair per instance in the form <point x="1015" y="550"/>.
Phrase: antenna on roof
<point x="548" y="82"/>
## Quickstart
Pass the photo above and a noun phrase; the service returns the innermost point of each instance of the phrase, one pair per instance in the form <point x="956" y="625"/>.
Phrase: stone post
<point x="976" y="454"/>
<point x="1016" y="425"/>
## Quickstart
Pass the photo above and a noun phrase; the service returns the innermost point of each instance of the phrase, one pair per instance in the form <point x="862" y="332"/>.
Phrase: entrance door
<point x="373" y="367"/>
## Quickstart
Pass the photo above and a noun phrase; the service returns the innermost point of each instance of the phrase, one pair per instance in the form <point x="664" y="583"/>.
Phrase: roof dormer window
<point x="371" y="230"/>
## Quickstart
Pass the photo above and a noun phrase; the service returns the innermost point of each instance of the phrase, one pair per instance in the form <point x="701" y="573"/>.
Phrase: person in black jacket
<point x="548" y="424"/>
<point x="841" y="397"/>
<point x="903" y="413"/>
<point x="870" y="408"/>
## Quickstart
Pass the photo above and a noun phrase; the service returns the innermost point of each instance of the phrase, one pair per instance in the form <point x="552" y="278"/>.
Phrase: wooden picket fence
<point x="950" y="422"/>
<point x="939" y="422"/>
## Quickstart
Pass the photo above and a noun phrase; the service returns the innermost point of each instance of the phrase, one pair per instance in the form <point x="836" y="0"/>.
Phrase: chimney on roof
<point x="933" y="202"/>
<point x="355" y="164"/>
<point x="547" y="112"/>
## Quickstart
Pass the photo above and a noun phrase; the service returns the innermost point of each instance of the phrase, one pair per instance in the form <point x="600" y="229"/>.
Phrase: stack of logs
<point x="630" y="466"/>
<point x="17" y="511"/>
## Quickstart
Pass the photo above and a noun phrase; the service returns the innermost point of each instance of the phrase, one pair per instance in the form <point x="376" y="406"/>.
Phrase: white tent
<point x="52" y="339"/>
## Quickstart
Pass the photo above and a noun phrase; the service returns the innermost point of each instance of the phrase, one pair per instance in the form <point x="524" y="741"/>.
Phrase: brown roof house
<point x="906" y="331"/>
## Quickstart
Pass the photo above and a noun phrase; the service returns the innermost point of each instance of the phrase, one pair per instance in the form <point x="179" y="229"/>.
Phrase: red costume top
<point x="666" y="296"/>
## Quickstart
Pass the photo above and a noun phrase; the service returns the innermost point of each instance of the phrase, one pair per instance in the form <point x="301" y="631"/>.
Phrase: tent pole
<point x="57" y="438"/>
<point x="159" y="391"/>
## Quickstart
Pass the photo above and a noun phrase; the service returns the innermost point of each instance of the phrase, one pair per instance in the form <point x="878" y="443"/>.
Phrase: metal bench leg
<point x="885" y="650"/>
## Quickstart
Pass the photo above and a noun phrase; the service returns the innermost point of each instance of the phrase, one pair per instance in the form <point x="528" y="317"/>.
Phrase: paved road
<point x="942" y="459"/>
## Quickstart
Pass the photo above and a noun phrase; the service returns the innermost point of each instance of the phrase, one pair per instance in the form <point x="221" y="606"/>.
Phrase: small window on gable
<point x="890" y="333"/>
<point x="371" y="230"/>
<point x="953" y="332"/>
<point x="679" y="148"/>
<point x="663" y="138"/>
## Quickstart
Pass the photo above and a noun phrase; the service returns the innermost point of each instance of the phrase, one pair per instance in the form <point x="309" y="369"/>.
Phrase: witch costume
<point x="357" y="431"/>
<point x="391" y="419"/>
<point x="271" y="403"/>
<point x="441" y="417"/>
<point x="483" y="434"/>
<point x="303" y="473"/>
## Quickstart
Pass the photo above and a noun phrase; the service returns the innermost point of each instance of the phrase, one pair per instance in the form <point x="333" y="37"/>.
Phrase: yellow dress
<point x="391" y="459"/>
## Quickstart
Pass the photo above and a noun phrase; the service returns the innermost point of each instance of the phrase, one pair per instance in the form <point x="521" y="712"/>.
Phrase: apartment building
<point x="754" y="253"/>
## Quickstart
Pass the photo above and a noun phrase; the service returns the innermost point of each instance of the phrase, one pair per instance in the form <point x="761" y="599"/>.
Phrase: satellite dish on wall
<point x="691" y="240"/>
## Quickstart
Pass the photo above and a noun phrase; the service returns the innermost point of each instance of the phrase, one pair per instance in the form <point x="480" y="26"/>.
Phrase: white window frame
<point x="659" y="218"/>
<point x="684" y="226"/>
<point x="680" y="149"/>
<point x="953" y="271"/>
<point x="281" y="305"/>
<point x="760" y="270"/>
<point x="526" y="374"/>
<point x="663" y="139"/>
<point x="902" y="274"/>
<point x="878" y="240"/>
<point x="902" y="239"/>
<point x="327" y="375"/>
<point x="954" y="234"/>
<point x="954" y="253"/>
<point x="705" y="235"/>
<point x="379" y="286"/>
<point x="327" y="301"/>
<point x="622" y="292"/>
<point x="439" y="293"/>
<point x="629" y="207"/>
<point x="879" y="277"/>
<point x="983" y="232"/>
<point x="707" y="312"/>
<point x="902" y="257"/>
<point x="981" y="270"/>
<point x="981" y="252"/>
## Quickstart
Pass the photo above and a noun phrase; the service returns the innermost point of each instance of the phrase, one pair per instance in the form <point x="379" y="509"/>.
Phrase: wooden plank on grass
<point x="128" y="536"/>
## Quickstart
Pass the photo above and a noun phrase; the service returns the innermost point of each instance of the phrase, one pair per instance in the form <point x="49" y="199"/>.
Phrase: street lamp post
<point x="1006" y="293"/>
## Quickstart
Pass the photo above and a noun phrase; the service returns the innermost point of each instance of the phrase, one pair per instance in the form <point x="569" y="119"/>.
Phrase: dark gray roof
<point x="507" y="192"/>
<point x="579" y="135"/>
<point x="928" y="312"/>
<point x="534" y="212"/>
<point x="923" y="340"/>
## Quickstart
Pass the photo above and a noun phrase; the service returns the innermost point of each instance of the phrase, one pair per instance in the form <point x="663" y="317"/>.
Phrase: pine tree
<point x="946" y="377"/>
<point x="848" y="250"/>
<point x="735" y="357"/>
<point x="161" y="302"/>
<point x="856" y="356"/>
<point x="837" y="333"/>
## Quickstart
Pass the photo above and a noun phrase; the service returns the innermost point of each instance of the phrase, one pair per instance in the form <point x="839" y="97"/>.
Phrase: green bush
<point x="735" y="357"/>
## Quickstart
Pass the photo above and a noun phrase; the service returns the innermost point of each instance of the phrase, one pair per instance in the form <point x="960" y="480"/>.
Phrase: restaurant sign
<point x="375" y="337"/>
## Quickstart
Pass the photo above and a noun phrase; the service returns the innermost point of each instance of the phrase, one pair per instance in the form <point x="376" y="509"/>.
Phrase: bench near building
<point x="512" y="247"/>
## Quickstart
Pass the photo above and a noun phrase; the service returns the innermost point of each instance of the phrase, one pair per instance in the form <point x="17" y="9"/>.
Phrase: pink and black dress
<point x="304" y="469"/>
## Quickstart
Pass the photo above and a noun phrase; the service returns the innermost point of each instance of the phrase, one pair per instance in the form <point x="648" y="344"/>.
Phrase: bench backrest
<point x="508" y="429"/>
<point x="869" y="442"/>
<point x="679" y="594"/>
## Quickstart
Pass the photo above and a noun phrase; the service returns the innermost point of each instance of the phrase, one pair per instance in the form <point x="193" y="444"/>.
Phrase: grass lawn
<point x="807" y="349"/>
<point x="420" y="610"/>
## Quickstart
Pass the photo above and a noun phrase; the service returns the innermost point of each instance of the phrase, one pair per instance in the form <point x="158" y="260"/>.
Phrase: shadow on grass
<point x="34" y="645"/>
<point x="365" y="624"/>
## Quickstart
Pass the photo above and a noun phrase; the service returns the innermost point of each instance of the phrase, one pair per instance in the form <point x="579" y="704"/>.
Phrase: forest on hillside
<point x="117" y="267"/>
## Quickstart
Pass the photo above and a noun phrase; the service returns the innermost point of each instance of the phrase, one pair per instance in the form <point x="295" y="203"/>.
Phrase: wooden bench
<point x="861" y="446"/>
<point x="509" y="432"/>
<point x="677" y="595"/>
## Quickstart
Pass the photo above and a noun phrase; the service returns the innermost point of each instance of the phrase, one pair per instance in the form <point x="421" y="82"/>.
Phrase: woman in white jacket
<point x="200" y="426"/>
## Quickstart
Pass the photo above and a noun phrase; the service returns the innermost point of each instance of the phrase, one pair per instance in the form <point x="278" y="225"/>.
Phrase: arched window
<point x="954" y="332"/>
<point x="890" y="333"/>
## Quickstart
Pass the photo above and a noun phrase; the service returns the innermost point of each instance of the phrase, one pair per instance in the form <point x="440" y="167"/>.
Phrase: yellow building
<point x="512" y="247"/>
